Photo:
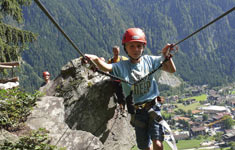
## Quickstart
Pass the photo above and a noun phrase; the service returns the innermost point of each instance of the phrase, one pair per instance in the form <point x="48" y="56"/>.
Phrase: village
<point x="202" y="113"/>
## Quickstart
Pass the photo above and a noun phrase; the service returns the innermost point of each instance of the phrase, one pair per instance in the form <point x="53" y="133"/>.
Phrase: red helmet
<point x="134" y="35"/>
<point x="45" y="73"/>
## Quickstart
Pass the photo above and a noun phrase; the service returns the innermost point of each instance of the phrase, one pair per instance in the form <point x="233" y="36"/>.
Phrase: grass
<point x="186" y="144"/>
<point x="198" y="98"/>
<point x="134" y="148"/>
<point x="226" y="148"/>
<point x="233" y="92"/>
<point x="189" y="107"/>
<point x="183" y="144"/>
<point x="192" y="106"/>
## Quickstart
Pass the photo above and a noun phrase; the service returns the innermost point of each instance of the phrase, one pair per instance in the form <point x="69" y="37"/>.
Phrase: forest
<point x="95" y="26"/>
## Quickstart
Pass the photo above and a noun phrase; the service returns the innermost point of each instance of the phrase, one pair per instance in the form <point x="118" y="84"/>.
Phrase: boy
<point x="146" y="91"/>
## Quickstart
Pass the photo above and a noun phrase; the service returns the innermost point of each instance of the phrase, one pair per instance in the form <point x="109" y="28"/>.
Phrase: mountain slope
<point x="95" y="26"/>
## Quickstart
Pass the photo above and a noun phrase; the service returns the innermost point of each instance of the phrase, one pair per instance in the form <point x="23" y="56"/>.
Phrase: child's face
<point x="135" y="49"/>
<point x="47" y="77"/>
<point x="116" y="51"/>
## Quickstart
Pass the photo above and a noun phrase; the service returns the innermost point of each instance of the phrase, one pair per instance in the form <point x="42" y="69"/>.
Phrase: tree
<point x="218" y="136"/>
<point x="205" y="117"/>
<point x="190" y="113"/>
<point x="228" y="123"/>
<point x="13" y="40"/>
<point x="232" y="145"/>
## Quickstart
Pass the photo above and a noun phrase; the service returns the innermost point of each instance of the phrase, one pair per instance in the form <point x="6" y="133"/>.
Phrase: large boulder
<point x="49" y="113"/>
<point x="80" y="111"/>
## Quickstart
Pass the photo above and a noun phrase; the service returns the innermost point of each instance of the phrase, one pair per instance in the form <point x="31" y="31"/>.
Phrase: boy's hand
<point x="167" y="49"/>
<point x="87" y="62"/>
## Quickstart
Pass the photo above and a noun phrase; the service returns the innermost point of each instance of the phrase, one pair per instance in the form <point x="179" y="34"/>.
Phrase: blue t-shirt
<point x="147" y="89"/>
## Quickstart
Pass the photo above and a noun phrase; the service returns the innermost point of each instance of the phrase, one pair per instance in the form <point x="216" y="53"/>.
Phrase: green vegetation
<point x="233" y="92"/>
<point x="15" y="106"/>
<point x="202" y="97"/>
<point x="36" y="140"/>
<point x="186" y="144"/>
<point x="95" y="26"/>
<point x="226" y="148"/>
<point x="13" y="40"/>
<point x="229" y="122"/>
<point x="134" y="148"/>
<point x="192" y="106"/>
<point x="182" y="144"/>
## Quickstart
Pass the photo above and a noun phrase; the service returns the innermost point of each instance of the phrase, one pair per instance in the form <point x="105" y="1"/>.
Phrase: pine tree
<point x="13" y="40"/>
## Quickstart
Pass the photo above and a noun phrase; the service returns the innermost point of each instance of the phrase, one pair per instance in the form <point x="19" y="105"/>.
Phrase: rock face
<point x="169" y="79"/>
<point x="80" y="112"/>
<point x="49" y="114"/>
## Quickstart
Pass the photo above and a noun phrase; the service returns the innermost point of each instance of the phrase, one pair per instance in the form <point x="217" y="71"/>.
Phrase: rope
<point x="173" y="45"/>
<point x="42" y="7"/>
<point x="216" y="19"/>
<point x="107" y="74"/>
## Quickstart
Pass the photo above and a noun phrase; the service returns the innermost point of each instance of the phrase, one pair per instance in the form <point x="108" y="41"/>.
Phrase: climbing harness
<point x="150" y="107"/>
<point x="168" y="56"/>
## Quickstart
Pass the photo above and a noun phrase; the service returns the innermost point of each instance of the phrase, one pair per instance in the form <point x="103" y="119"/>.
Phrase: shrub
<point x="15" y="106"/>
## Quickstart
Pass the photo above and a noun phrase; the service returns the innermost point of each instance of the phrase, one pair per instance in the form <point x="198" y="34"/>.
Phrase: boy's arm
<point x="169" y="65"/>
<point x="102" y="65"/>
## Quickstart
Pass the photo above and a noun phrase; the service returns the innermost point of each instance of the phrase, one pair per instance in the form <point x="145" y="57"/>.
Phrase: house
<point x="217" y="120"/>
<point x="230" y="101"/>
<point x="176" y="118"/>
<point x="198" y="118"/>
<point x="229" y="135"/>
<point x="213" y="109"/>
<point x="212" y="92"/>
<point x="213" y="97"/>
<point x="196" y="92"/>
<point x="172" y="98"/>
<point x="181" y="136"/>
<point x="195" y="131"/>
<point x="189" y="101"/>
<point x="196" y="124"/>
<point x="196" y="112"/>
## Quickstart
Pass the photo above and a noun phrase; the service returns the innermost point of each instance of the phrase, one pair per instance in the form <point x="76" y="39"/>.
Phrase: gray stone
<point x="80" y="112"/>
<point x="5" y="135"/>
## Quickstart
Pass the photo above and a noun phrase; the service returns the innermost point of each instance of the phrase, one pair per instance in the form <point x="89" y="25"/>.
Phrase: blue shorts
<point x="147" y="129"/>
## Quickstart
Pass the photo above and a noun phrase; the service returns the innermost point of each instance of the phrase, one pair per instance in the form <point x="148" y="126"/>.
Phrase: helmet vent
<point x="135" y="37"/>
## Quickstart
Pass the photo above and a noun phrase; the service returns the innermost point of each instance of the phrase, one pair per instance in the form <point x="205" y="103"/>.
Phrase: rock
<point x="80" y="112"/>
<point x="169" y="79"/>
<point x="49" y="114"/>
<point x="9" y="85"/>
